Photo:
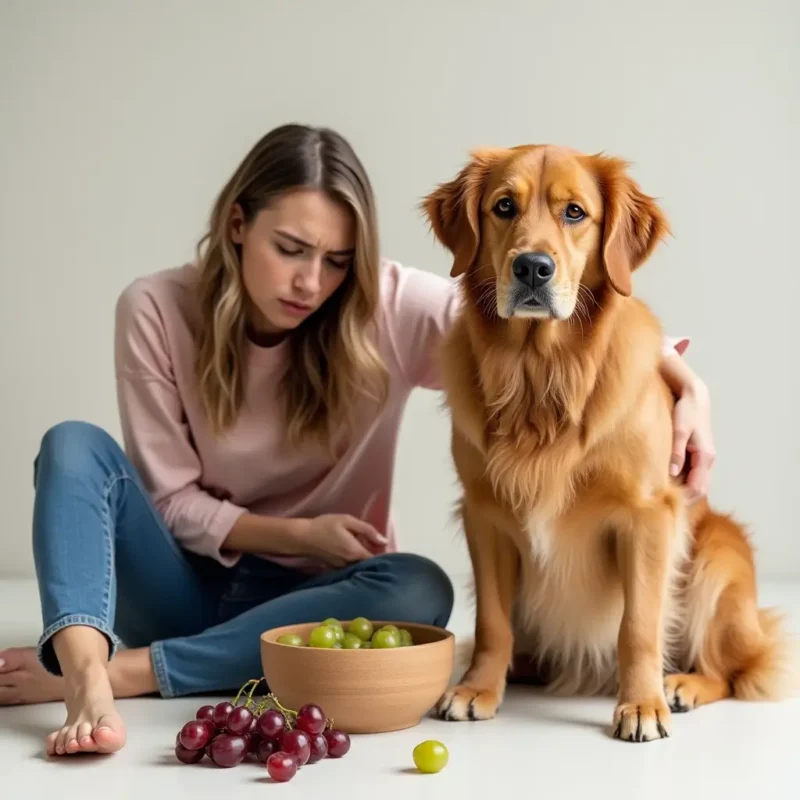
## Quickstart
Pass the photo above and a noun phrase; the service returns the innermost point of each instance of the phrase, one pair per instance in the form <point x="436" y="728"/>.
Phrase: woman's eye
<point x="284" y="251"/>
<point x="505" y="208"/>
<point x="574" y="213"/>
<point x="338" y="264"/>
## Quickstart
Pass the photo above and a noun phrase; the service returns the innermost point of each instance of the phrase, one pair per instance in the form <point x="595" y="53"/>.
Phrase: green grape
<point x="291" y="639"/>
<point x="351" y="642"/>
<point x="334" y="623"/>
<point x="384" y="639"/>
<point x="322" y="636"/>
<point x="393" y="628"/>
<point x="366" y="646"/>
<point x="406" y="640"/>
<point x="362" y="628"/>
<point x="338" y="646"/>
<point x="431" y="756"/>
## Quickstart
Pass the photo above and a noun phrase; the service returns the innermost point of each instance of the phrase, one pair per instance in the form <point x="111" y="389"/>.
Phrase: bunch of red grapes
<point x="284" y="740"/>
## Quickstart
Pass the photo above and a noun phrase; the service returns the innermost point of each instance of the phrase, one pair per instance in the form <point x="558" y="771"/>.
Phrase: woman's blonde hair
<point x="333" y="356"/>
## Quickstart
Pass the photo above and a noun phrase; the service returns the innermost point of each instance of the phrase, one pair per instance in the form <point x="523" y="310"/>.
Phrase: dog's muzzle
<point x="531" y="290"/>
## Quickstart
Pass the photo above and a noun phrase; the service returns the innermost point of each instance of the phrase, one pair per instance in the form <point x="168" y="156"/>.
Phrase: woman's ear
<point x="633" y="225"/>
<point x="453" y="209"/>
<point x="236" y="224"/>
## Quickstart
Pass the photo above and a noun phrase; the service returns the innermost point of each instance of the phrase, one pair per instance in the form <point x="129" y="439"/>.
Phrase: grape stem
<point x="269" y="700"/>
<point x="289" y="713"/>
<point x="285" y="711"/>
<point x="253" y="684"/>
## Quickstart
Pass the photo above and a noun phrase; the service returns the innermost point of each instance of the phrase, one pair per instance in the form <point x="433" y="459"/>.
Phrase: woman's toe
<point x="109" y="734"/>
<point x="85" y="739"/>
<point x="72" y="745"/>
<point x="61" y="741"/>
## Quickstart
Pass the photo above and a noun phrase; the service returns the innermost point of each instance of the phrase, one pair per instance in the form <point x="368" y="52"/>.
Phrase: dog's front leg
<point x="643" y="551"/>
<point x="495" y="564"/>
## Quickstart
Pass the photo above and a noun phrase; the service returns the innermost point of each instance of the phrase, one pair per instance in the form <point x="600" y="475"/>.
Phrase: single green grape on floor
<point x="431" y="756"/>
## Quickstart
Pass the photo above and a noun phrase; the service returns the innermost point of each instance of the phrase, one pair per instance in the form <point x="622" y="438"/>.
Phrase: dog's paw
<point x="642" y="722"/>
<point x="463" y="703"/>
<point x="678" y="690"/>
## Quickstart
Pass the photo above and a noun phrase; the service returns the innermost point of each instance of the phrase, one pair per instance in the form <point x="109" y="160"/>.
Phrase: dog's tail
<point x="771" y="670"/>
<point x="730" y="637"/>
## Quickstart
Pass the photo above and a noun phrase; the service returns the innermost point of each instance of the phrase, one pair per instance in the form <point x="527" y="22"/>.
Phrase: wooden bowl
<point x="363" y="691"/>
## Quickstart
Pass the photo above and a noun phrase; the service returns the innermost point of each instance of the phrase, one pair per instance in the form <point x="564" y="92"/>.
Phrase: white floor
<point x="538" y="744"/>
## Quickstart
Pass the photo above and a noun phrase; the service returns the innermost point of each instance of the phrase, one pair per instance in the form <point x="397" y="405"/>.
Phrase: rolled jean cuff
<point x="160" y="670"/>
<point x="46" y="653"/>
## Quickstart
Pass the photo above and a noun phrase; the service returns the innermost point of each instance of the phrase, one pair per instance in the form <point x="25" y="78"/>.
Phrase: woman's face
<point x="295" y="255"/>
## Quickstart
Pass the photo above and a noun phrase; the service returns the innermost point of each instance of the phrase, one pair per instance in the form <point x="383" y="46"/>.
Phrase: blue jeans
<point x="104" y="558"/>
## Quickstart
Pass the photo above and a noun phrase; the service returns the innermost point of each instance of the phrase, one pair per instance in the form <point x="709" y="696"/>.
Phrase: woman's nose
<point x="309" y="277"/>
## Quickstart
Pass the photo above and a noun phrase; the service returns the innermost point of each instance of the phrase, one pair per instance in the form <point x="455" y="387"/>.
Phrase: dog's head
<point x="538" y="222"/>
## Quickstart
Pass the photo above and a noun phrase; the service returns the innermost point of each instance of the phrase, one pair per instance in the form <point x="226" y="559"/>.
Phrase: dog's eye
<point x="505" y="208"/>
<point x="574" y="213"/>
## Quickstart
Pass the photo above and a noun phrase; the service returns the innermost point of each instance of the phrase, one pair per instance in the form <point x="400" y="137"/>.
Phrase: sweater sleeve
<point x="156" y="433"/>
<point x="420" y="308"/>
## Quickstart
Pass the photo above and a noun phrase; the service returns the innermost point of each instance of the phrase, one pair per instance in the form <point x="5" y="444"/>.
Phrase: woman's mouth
<point x="295" y="309"/>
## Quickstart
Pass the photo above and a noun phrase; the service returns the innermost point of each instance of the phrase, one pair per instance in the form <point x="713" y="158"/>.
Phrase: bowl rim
<point x="446" y="636"/>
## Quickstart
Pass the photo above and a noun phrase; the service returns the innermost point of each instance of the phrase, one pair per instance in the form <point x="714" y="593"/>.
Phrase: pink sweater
<point x="201" y="484"/>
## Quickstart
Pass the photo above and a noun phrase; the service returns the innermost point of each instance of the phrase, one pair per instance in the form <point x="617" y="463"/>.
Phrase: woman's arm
<point x="422" y="306"/>
<point x="337" y="539"/>
<point x="253" y="533"/>
<point x="156" y="434"/>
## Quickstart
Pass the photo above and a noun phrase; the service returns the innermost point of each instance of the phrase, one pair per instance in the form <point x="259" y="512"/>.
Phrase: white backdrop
<point x="119" y="122"/>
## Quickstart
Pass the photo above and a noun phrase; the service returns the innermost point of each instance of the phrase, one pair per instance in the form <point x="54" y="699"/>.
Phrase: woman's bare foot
<point x="88" y="688"/>
<point x="93" y="724"/>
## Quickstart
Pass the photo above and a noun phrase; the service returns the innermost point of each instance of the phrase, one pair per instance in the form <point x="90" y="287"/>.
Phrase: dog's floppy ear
<point x="634" y="223"/>
<point x="453" y="209"/>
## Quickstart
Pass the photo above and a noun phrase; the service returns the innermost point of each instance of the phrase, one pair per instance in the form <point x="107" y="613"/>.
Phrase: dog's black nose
<point x="534" y="269"/>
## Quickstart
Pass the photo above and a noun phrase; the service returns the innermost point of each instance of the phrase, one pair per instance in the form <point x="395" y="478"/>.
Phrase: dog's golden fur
<point x="585" y="556"/>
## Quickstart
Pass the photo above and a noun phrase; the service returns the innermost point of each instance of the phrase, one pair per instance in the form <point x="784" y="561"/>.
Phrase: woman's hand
<point x="337" y="539"/>
<point x="340" y="539"/>
<point x="692" y="435"/>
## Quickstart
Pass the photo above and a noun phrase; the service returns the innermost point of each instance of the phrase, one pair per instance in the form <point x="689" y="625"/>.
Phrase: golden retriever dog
<point x="586" y="557"/>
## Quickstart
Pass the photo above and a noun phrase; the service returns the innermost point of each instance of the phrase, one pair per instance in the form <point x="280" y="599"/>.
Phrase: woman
<point x="260" y="392"/>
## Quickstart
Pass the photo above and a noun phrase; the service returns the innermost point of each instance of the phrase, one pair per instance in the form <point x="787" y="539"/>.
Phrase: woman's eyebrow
<point x="348" y="252"/>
